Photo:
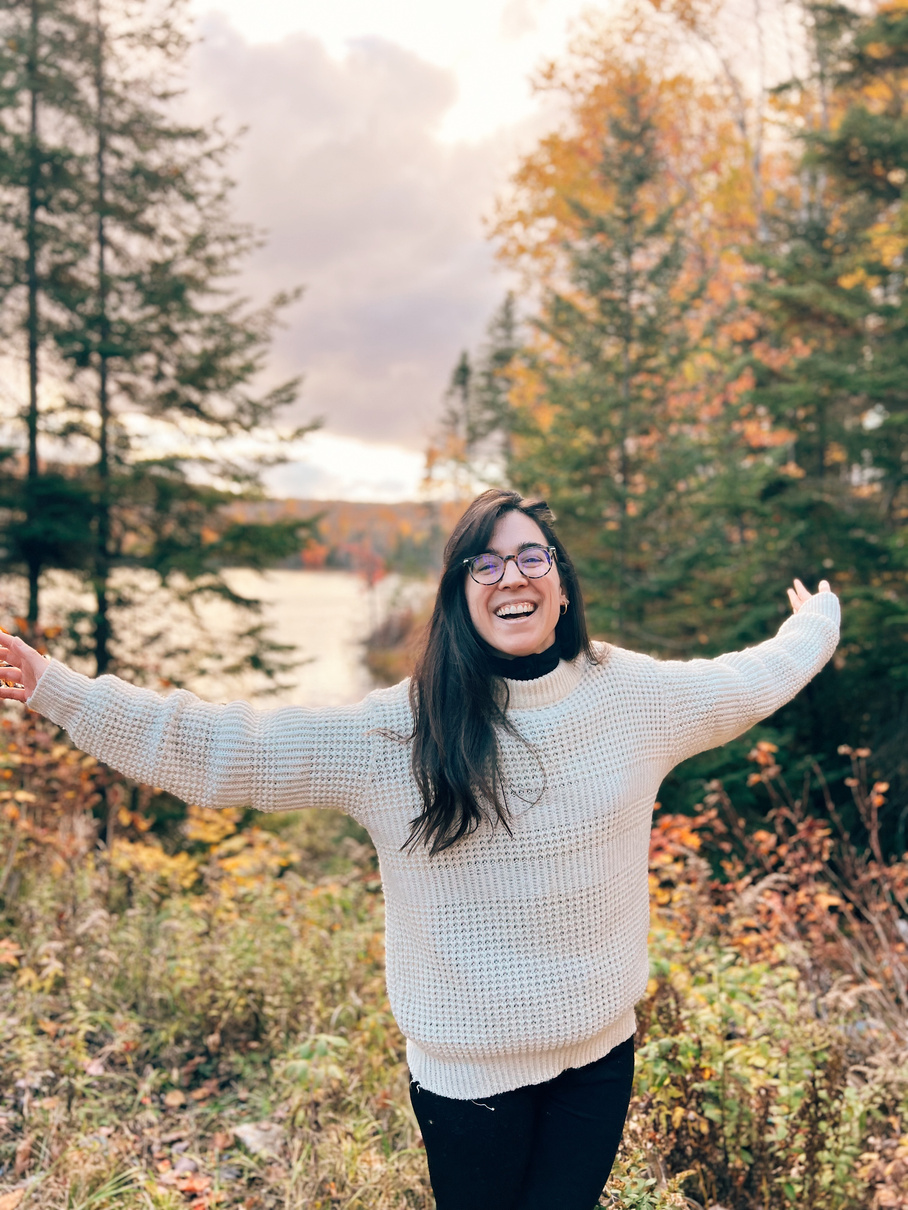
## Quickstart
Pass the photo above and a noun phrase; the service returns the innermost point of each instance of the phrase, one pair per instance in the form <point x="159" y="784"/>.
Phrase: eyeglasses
<point x="532" y="562"/>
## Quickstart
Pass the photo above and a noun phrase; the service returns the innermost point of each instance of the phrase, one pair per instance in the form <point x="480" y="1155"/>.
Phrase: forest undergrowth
<point x="193" y="1013"/>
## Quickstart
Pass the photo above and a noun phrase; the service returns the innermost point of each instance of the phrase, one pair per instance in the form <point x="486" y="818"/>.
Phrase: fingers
<point x="21" y="667"/>
<point x="799" y="594"/>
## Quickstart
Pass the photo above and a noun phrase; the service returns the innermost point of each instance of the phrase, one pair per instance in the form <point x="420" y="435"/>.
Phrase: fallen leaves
<point x="261" y="1138"/>
<point x="206" y="1090"/>
<point x="9" y="1201"/>
<point x="23" y="1159"/>
<point x="10" y="952"/>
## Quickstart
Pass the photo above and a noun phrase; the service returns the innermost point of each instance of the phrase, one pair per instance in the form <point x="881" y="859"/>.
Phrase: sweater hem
<point x="467" y="1079"/>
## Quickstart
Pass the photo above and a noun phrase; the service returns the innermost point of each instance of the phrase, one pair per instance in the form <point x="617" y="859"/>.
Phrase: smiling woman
<point x="515" y="599"/>
<point x="508" y="788"/>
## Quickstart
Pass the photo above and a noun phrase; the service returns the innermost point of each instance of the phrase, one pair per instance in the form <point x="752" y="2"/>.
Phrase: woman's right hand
<point x="24" y="668"/>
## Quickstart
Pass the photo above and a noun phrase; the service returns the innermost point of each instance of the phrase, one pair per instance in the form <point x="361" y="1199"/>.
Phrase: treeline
<point x="407" y="537"/>
<point x="708" y="379"/>
<point x="127" y="358"/>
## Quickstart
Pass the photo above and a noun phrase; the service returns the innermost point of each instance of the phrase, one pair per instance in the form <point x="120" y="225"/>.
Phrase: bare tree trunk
<point x="102" y="521"/>
<point x="33" y="559"/>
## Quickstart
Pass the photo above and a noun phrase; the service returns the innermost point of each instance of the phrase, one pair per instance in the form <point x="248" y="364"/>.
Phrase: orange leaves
<point x="10" y="952"/>
<point x="763" y="753"/>
<point x="706" y="162"/>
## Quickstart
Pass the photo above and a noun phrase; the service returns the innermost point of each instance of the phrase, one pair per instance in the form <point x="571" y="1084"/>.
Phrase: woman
<point x="508" y="788"/>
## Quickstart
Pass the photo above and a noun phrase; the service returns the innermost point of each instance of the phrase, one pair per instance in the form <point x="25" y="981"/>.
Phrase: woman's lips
<point x="522" y="610"/>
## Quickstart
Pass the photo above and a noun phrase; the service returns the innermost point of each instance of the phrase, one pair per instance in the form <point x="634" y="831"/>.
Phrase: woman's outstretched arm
<point x="711" y="701"/>
<point x="209" y="755"/>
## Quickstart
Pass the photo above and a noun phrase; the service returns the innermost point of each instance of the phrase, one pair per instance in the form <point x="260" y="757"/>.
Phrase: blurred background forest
<point x="701" y="366"/>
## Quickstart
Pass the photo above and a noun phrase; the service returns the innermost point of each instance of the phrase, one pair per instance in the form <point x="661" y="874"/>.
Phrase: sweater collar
<point x="525" y="667"/>
<point x="545" y="690"/>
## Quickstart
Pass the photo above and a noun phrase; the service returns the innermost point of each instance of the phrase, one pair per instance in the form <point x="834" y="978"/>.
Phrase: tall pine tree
<point x="595" y="428"/>
<point x="42" y="115"/>
<point x="163" y="360"/>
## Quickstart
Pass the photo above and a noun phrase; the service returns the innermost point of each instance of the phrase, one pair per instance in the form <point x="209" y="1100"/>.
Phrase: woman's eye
<point x="532" y="558"/>
<point x="484" y="564"/>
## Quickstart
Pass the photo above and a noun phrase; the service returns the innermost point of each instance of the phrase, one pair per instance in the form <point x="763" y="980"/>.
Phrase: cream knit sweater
<point x="509" y="957"/>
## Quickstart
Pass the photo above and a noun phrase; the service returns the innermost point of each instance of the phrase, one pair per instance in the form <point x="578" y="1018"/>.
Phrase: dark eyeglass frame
<point x="551" y="551"/>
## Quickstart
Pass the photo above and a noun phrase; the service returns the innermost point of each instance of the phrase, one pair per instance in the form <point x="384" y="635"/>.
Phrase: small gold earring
<point x="564" y="606"/>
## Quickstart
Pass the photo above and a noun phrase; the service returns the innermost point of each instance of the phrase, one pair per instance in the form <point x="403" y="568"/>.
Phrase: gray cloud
<point x="363" y="205"/>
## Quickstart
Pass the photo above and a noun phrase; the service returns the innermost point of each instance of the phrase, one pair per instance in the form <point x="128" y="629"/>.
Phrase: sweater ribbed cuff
<point x="59" y="694"/>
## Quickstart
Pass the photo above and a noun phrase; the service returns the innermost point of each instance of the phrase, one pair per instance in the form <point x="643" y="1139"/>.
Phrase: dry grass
<point x="193" y="1014"/>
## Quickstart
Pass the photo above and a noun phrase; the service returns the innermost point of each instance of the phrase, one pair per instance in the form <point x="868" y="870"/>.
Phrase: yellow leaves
<point x="253" y="854"/>
<point x="208" y="826"/>
<point x="11" y="1201"/>
<point x="137" y="858"/>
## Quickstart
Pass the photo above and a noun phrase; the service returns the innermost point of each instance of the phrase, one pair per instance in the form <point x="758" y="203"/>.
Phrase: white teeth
<point x="518" y="609"/>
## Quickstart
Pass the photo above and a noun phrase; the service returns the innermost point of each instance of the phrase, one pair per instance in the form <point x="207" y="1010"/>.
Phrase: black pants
<point x="549" y="1146"/>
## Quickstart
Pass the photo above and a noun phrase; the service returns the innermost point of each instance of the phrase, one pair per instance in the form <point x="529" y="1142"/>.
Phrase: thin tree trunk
<point x="625" y="461"/>
<point x="102" y="534"/>
<point x="33" y="560"/>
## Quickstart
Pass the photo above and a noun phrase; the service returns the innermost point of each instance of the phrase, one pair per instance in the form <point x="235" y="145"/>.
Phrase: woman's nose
<point x="512" y="573"/>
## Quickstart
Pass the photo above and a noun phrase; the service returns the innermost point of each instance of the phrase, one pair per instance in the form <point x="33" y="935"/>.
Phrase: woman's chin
<point x="512" y="646"/>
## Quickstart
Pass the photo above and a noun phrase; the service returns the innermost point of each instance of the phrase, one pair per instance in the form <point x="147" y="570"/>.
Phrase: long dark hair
<point x="456" y="705"/>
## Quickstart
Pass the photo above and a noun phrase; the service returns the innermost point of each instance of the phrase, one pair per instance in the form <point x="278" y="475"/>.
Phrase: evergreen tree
<point x="153" y="331"/>
<point x="809" y="466"/>
<point x="41" y="176"/>
<point x="595" y="427"/>
<point x="473" y="444"/>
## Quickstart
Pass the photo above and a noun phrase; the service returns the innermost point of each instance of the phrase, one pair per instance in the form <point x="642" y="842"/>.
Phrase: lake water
<point x="325" y="615"/>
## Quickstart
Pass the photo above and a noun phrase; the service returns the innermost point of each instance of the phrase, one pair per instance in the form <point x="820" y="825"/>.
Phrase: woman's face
<point x="521" y="631"/>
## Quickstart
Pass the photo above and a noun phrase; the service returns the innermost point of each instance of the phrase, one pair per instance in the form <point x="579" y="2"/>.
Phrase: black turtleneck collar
<point x="526" y="667"/>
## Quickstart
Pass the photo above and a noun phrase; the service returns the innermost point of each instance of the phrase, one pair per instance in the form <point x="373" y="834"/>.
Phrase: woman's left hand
<point x="799" y="594"/>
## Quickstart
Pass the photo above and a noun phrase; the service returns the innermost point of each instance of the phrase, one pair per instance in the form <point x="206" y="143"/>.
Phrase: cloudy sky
<point x="378" y="134"/>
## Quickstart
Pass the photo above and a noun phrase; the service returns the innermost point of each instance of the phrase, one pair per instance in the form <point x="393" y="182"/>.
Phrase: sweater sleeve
<point x="211" y="755"/>
<point x="712" y="701"/>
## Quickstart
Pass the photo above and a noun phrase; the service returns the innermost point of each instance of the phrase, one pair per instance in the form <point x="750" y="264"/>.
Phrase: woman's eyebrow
<point x="490" y="550"/>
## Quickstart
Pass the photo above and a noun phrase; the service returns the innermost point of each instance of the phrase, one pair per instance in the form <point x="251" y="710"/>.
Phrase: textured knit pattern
<point x="509" y="957"/>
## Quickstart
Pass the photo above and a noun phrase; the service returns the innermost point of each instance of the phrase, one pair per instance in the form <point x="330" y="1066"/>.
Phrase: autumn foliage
<point x="193" y="1014"/>
<point x="704" y="369"/>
